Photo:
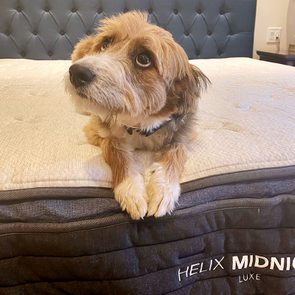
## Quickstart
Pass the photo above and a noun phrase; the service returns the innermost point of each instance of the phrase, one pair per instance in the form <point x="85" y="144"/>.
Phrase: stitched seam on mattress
<point x="107" y="184"/>
<point x="240" y="253"/>
<point x="245" y="181"/>
<point x="259" y="170"/>
<point x="128" y="222"/>
<point x="156" y="244"/>
<point x="68" y="198"/>
<point x="180" y="258"/>
<point x="164" y="220"/>
<point x="89" y="281"/>
<point x="263" y="178"/>
<point x="249" y="169"/>
<point x="239" y="182"/>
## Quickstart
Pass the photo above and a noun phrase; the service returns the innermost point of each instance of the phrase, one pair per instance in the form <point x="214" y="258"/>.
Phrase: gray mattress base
<point x="67" y="244"/>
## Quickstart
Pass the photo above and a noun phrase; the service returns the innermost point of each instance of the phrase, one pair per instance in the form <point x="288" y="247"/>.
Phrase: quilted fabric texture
<point x="42" y="29"/>
<point x="245" y="122"/>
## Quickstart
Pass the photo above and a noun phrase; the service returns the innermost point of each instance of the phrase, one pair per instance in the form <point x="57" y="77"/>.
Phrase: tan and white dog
<point x="142" y="92"/>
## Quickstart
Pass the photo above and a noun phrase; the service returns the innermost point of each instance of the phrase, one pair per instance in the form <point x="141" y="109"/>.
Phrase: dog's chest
<point x="152" y="142"/>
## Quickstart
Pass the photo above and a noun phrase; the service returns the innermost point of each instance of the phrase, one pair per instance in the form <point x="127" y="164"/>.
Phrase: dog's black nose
<point x="80" y="76"/>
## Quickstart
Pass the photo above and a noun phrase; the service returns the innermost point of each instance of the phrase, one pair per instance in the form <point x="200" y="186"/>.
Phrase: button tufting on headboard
<point x="50" y="29"/>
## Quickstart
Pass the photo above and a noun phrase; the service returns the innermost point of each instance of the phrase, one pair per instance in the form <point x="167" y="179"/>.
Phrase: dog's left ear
<point x="187" y="90"/>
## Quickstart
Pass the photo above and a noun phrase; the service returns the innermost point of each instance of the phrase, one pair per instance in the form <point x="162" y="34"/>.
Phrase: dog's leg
<point x="163" y="188"/>
<point x="128" y="181"/>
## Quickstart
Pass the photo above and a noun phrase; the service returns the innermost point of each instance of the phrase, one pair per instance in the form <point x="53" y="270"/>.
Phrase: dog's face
<point x="132" y="67"/>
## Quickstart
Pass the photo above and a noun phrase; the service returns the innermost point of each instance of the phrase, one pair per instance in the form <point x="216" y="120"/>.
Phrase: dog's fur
<point x="126" y="95"/>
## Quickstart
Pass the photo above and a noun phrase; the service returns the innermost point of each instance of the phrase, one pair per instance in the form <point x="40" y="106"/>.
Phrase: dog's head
<point x="134" y="68"/>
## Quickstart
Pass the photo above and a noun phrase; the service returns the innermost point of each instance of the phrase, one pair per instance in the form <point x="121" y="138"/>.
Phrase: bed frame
<point x="73" y="257"/>
<point x="232" y="231"/>
<point x="49" y="29"/>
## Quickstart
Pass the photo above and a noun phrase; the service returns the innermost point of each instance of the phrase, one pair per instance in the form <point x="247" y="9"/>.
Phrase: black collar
<point x="148" y="132"/>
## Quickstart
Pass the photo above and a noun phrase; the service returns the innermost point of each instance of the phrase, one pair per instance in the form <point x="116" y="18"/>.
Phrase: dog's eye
<point x="105" y="44"/>
<point x="143" y="60"/>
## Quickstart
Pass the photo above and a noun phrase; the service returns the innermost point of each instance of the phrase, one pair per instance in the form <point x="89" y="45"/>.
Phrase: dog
<point x="142" y="93"/>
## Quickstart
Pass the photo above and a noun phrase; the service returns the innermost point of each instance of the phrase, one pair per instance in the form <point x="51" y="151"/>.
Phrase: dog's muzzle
<point x="80" y="76"/>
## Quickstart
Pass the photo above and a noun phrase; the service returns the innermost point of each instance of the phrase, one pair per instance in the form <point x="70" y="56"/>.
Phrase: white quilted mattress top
<point x="246" y="121"/>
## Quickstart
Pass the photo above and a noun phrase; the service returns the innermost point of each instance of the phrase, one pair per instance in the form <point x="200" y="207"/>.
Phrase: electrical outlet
<point x="273" y="34"/>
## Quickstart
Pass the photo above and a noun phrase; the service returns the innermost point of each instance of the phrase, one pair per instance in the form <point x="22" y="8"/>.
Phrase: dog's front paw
<point x="162" y="193"/>
<point x="130" y="194"/>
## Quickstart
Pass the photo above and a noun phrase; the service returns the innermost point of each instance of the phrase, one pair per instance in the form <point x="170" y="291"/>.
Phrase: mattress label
<point x="244" y="266"/>
<point x="200" y="267"/>
<point x="257" y="261"/>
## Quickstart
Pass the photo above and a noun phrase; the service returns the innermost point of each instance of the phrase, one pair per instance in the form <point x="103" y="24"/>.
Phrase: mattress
<point x="233" y="231"/>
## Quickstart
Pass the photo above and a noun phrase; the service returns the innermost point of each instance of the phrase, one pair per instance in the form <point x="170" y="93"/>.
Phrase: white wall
<point x="270" y="13"/>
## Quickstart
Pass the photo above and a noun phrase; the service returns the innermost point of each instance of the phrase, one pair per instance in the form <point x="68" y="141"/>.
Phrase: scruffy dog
<point x="142" y="92"/>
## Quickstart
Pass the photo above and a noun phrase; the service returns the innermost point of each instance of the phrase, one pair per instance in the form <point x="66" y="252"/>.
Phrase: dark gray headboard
<point x="48" y="29"/>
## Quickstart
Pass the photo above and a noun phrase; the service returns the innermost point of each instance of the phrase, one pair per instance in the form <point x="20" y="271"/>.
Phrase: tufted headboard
<point x="48" y="29"/>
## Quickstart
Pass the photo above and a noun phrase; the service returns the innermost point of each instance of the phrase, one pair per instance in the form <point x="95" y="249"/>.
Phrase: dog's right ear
<point x="198" y="80"/>
<point x="187" y="90"/>
<point x="82" y="48"/>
